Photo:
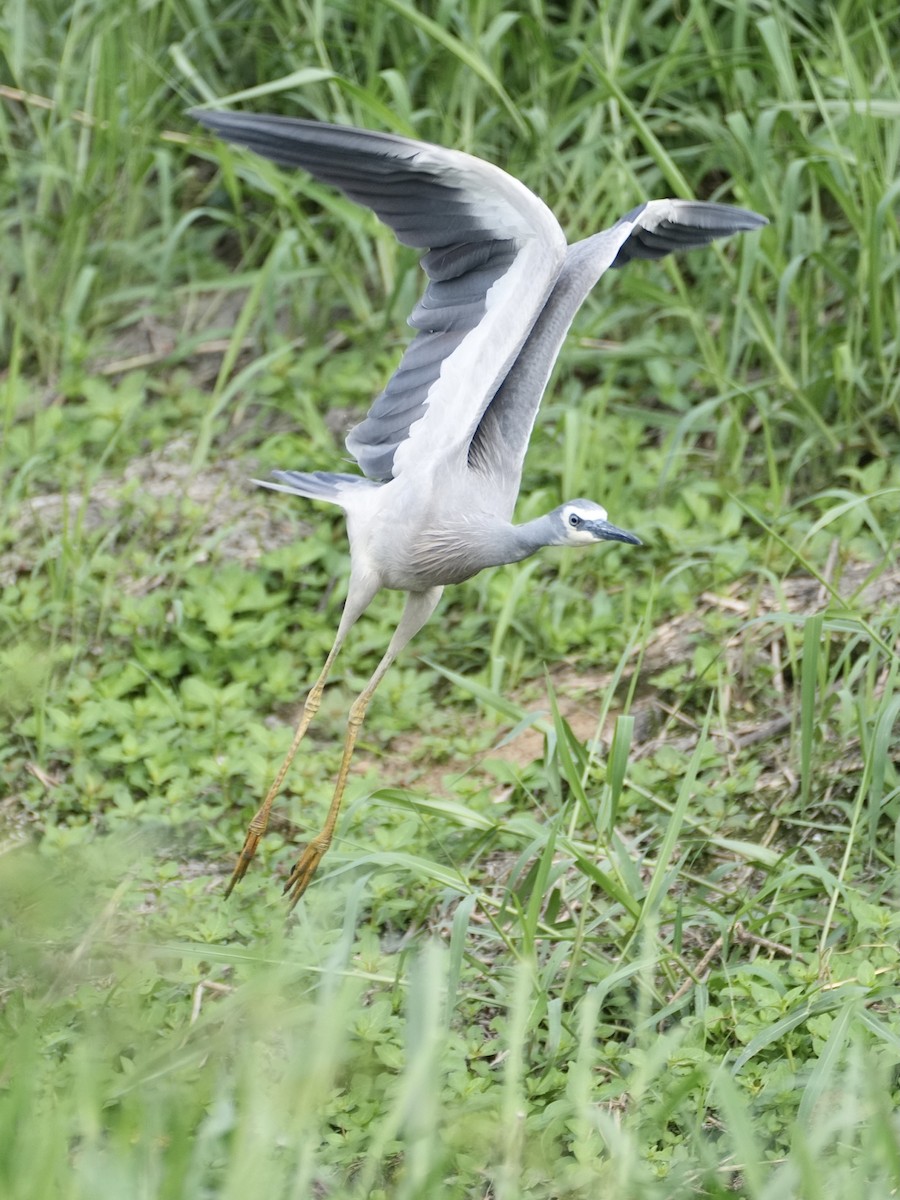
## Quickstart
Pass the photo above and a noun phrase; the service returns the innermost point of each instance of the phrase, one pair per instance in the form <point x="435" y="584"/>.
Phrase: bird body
<point x="403" y="536"/>
<point x="442" y="448"/>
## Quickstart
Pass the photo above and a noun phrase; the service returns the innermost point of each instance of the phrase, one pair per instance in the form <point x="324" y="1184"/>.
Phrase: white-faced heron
<point x="442" y="447"/>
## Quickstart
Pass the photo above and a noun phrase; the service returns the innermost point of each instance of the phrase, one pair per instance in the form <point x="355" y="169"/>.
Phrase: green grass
<point x="613" y="908"/>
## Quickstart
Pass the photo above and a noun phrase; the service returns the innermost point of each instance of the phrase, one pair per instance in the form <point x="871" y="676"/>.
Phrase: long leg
<point x="419" y="607"/>
<point x="358" y="598"/>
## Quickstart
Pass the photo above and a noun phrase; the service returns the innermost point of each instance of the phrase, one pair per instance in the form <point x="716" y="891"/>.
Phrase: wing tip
<point x="211" y="118"/>
<point x="747" y="220"/>
<point x="715" y="216"/>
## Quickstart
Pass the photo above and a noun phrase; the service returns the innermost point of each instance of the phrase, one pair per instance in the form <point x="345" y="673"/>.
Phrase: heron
<point x="441" y="450"/>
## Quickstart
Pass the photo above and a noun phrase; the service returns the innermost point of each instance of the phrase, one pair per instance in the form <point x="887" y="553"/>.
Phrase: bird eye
<point x="574" y="520"/>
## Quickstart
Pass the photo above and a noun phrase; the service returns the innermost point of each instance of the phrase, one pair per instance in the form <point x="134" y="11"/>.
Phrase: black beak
<point x="606" y="532"/>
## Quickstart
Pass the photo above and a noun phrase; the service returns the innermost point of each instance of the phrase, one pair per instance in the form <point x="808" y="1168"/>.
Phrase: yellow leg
<point x="419" y="607"/>
<point x="358" y="597"/>
<point x="314" y="852"/>
<point x="260" y="822"/>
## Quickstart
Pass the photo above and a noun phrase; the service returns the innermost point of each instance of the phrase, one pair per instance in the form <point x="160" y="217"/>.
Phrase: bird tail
<point x="318" y="485"/>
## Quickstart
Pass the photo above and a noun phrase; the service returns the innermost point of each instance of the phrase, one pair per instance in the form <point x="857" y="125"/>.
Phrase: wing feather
<point x="493" y="253"/>
<point x="651" y="230"/>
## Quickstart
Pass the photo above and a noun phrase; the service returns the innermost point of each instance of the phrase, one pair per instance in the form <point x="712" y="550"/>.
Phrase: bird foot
<point x="304" y="869"/>
<point x="248" y="849"/>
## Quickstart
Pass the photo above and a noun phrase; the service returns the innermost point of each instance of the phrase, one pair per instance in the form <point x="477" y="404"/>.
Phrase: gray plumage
<point x="441" y="449"/>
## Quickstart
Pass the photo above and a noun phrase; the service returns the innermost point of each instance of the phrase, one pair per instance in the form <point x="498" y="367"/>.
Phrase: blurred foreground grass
<point x="613" y="910"/>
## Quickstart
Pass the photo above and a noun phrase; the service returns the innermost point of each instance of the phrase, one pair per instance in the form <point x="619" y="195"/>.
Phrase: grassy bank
<point x="613" y="909"/>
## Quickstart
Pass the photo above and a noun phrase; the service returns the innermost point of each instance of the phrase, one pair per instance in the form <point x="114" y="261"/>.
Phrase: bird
<point x="441" y="449"/>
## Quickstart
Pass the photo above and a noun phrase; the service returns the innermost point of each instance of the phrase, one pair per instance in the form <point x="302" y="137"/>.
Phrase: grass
<point x="613" y="908"/>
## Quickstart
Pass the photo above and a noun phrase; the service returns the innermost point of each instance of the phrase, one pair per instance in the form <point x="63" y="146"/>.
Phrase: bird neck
<point x="457" y="550"/>
<point x="530" y="537"/>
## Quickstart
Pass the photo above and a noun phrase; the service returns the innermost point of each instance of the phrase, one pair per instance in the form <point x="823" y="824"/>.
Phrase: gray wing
<point x="494" y="251"/>
<point x="651" y="230"/>
<point x="660" y="227"/>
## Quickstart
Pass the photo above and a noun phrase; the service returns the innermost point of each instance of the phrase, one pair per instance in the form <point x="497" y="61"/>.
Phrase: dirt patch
<point x="753" y="642"/>
<point x="222" y="508"/>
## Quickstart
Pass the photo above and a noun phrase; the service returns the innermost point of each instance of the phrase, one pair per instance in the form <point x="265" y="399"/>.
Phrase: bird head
<point x="582" y="522"/>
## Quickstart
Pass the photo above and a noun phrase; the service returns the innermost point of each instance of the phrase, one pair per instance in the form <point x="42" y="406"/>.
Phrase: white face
<point x="575" y="515"/>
